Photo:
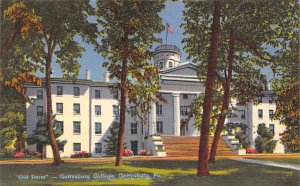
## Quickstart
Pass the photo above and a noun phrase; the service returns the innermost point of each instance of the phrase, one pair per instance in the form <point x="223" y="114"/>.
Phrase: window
<point x="98" y="147"/>
<point x="230" y="114"/>
<point x="97" y="110"/>
<point x="133" y="128"/>
<point x="60" y="126"/>
<point x="271" y="114"/>
<point x="76" y="147"/>
<point x="76" y="127"/>
<point x="39" y="94"/>
<point x="260" y="113"/>
<point x="133" y="111"/>
<point x="59" y="90"/>
<point x="170" y="64"/>
<point x="39" y="110"/>
<point x="59" y="108"/>
<point x="185" y="96"/>
<point x="98" y="128"/>
<point x="61" y="147"/>
<point x="76" y="108"/>
<point x="272" y="128"/>
<point x="243" y="114"/>
<point x="97" y="94"/>
<point x="76" y="91"/>
<point x="161" y="65"/>
<point x="183" y="110"/>
<point x="158" y="109"/>
<point x="159" y="127"/>
<point x="115" y="110"/>
<point x="115" y="94"/>
<point x="259" y="99"/>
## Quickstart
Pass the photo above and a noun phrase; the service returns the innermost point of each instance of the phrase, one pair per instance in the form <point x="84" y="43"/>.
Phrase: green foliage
<point x="239" y="130"/>
<point x="112" y="140"/>
<point x="127" y="33"/>
<point x="249" y="24"/>
<point x="40" y="135"/>
<point x="196" y="109"/>
<point x="290" y="139"/>
<point x="264" y="142"/>
<point x="12" y="119"/>
<point x="286" y="82"/>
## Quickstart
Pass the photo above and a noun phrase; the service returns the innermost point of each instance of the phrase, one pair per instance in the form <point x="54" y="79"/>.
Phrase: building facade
<point x="85" y="110"/>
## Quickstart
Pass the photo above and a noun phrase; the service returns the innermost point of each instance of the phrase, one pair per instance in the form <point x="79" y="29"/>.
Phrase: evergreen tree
<point x="40" y="135"/>
<point x="112" y="140"/>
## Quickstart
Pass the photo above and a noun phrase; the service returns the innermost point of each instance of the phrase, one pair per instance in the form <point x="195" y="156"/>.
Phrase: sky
<point x="93" y="61"/>
<point x="172" y="14"/>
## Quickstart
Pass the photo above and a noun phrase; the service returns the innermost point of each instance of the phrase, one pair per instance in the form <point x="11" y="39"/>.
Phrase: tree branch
<point x="252" y="47"/>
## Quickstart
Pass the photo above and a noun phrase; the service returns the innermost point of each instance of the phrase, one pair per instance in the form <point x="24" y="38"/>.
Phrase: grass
<point x="279" y="160"/>
<point x="158" y="172"/>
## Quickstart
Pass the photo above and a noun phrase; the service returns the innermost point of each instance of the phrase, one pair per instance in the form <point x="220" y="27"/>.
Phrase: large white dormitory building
<point x="86" y="109"/>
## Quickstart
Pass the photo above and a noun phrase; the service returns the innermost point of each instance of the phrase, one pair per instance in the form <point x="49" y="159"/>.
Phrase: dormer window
<point x="170" y="64"/>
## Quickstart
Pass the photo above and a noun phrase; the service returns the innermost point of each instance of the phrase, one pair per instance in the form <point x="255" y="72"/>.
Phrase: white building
<point x="86" y="109"/>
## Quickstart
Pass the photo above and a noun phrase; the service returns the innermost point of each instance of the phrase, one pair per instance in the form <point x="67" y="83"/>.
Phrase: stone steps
<point x="187" y="146"/>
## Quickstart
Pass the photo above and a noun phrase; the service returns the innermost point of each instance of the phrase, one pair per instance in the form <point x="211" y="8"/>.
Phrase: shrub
<point x="264" y="141"/>
<point x="243" y="139"/>
<point x="127" y="152"/>
<point x="144" y="153"/>
<point x="250" y="150"/>
<point x="82" y="154"/>
<point x="18" y="155"/>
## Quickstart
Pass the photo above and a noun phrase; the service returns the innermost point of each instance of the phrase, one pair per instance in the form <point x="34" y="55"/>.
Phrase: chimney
<point x="106" y="77"/>
<point x="87" y="74"/>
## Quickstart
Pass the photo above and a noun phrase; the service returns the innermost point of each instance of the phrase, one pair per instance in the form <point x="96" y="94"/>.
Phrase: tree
<point x="246" y="49"/>
<point x="40" y="136"/>
<point x="12" y="120"/>
<point x="192" y="9"/>
<point x="264" y="141"/>
<point x="286" y="81"/>
<point x="128" y="29"/>
<point x="112" y="140"/>
<point x="61" y="22"/>
<point x="17" y="23"/>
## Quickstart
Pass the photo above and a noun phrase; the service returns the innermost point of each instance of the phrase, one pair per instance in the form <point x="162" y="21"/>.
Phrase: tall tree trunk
<point x="119" y="158"/>
<point x="20" y="143"/>
<point x="42" y="153"/>
<point x="54" y="146"/>
<point x="225" y="103"/>
<point x="202" y="168"/>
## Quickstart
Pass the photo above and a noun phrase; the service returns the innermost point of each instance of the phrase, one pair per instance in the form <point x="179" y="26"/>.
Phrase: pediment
<point x="188" y="69"/>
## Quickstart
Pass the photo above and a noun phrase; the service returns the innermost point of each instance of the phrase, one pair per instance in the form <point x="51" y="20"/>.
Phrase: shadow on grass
<point x="162" y="172"/>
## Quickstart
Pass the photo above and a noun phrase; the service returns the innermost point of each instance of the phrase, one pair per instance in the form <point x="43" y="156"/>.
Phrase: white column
<point x="176" y="114"/>
<point x="152" y="122"/>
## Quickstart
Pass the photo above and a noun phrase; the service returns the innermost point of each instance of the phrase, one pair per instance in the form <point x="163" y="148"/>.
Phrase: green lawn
<point x="163" y="172"/>
<point x="280" y="160"/>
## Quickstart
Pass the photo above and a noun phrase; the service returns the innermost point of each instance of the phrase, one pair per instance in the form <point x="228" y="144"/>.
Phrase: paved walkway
<point x="268" y="163"/>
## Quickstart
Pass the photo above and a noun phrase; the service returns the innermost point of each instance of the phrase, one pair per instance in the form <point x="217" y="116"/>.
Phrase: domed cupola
<point x="166" y="56"/>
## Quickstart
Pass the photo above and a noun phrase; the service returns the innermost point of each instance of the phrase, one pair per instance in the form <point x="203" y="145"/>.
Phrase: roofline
<point x="70" y="81"/>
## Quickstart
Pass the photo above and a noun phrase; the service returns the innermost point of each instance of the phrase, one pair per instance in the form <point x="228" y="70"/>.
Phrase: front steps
<point x="187" y="146"/>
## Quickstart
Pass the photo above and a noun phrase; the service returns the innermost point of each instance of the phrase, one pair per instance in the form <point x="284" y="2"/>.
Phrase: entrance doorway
<point x="134" y="147"/>
<point x="183" y="128"/>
